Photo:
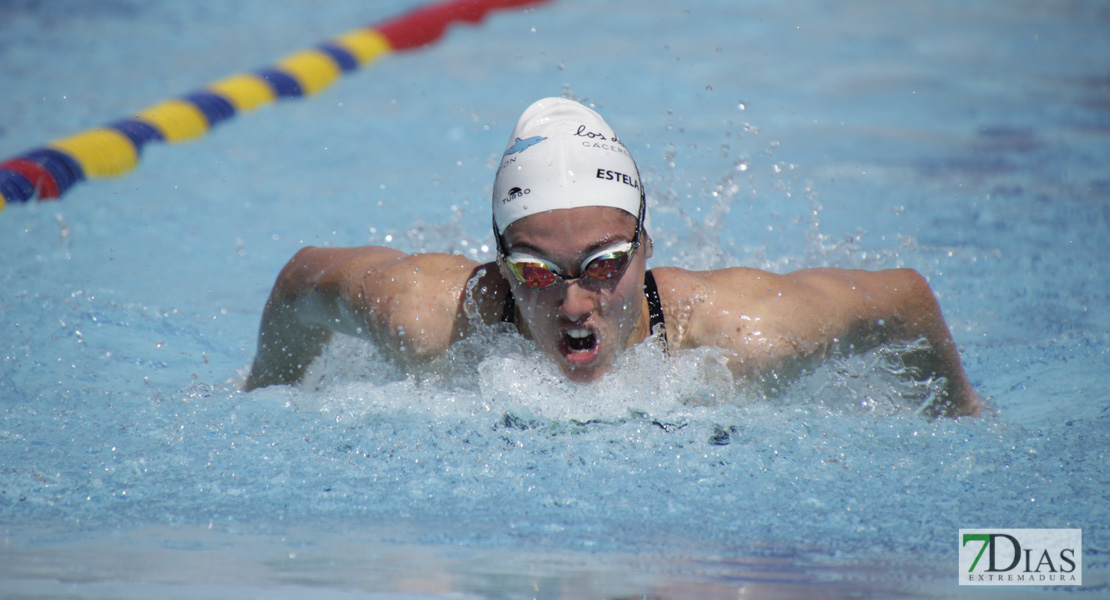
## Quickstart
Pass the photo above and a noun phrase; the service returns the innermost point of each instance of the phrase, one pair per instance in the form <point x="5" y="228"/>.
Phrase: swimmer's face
<point x="583" y="324"/>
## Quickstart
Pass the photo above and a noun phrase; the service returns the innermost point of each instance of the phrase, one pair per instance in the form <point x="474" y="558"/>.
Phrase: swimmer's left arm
<point x="769" y="320"/>
<point x="896" y="305"/>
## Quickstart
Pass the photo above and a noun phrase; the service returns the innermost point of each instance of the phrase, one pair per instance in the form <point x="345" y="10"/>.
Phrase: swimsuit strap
<point x="655" y="308"/>
<point x="508" y="314"/>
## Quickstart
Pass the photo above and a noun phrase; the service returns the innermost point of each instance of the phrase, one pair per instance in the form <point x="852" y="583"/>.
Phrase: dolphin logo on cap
<point x="521" y="145"/>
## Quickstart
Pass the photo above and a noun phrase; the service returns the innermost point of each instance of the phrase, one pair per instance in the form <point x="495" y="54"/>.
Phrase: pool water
<point x="968" y="142"/>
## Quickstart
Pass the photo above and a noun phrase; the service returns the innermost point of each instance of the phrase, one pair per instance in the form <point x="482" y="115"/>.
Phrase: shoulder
<point x="754" y="285"/>
<point x="416" y="303"/>
<point x="385" y="284"/>
<point x="432" y="290"/>
<point x="685" y="288"/>
<point x="345" y="269"/>
<point x="698" y="306"/>
<point x="421" y="271"/>
<point x="420" y="284"/>
<point x="751" y="303"/>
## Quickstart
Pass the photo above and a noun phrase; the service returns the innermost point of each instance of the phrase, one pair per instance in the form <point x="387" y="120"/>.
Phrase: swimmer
<point x="573" y="237"/>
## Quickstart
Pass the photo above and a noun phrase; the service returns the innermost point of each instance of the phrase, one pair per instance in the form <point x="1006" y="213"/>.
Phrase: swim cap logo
<point x="515" y="193"/>
<point x="521" y="145"/>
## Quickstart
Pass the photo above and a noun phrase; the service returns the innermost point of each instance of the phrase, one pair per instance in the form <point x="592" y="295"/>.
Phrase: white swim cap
<point x="563" y="155"/>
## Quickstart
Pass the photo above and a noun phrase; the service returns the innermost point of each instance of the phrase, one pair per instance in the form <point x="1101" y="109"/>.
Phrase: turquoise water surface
<point x="968" y="142"/>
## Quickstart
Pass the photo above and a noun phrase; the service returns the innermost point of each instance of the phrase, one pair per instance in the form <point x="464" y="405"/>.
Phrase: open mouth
<point x="579" y="345"/>
<point x="579" y="340"/>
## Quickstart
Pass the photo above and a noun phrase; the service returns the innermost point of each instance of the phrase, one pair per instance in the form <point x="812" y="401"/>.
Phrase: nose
<point x="577" y="302"/>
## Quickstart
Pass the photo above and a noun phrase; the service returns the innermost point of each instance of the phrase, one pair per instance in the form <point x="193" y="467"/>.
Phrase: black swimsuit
<point x="655" y="308"/>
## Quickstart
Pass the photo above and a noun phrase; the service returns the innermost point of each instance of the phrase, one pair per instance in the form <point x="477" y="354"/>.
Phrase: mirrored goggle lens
<point x="604" y="268"/>
<point x="535" y="273"/>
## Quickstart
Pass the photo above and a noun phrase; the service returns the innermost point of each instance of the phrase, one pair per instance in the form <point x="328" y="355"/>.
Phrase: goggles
<point x="607" y="264"/>
<point x="602" y="266"/>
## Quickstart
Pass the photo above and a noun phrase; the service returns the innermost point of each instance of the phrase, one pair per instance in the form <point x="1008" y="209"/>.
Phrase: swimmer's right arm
<point x="292" y="332"/>
<point x="407" y="305"/>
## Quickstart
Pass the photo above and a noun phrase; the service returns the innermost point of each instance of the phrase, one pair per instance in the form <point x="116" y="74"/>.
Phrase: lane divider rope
<point x="112" y="150"/>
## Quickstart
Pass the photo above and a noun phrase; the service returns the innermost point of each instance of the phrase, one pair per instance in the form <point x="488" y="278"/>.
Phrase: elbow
<point x="917" y="298"/>
<point x="914" y="282"/>
<point x="295" y="278"/>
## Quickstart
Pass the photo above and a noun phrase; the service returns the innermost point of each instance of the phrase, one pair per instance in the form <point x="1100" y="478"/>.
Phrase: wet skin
<point x="412" y="308"/>
<point x="583" y="324"/>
